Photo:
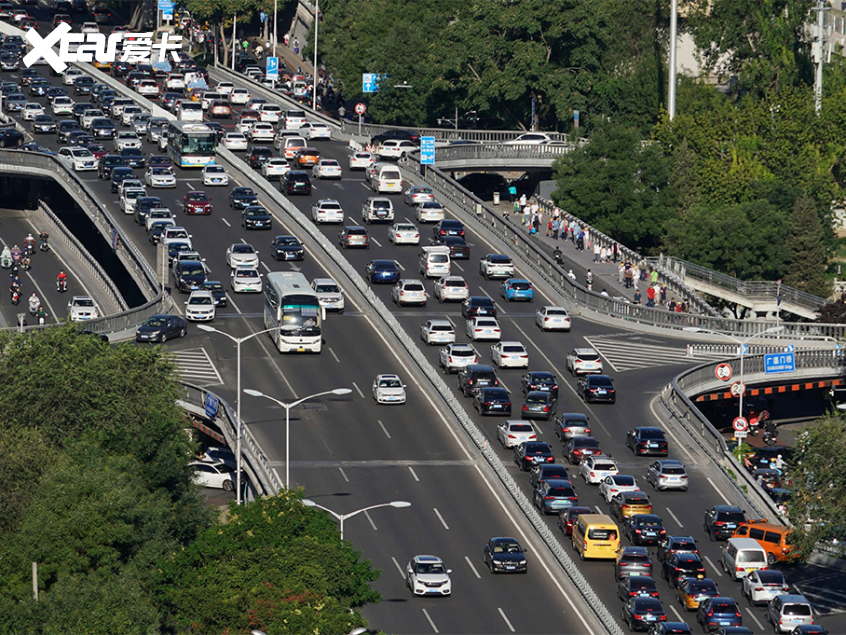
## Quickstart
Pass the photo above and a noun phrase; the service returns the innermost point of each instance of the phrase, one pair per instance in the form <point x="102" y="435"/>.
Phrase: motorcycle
<point x="29" y="247"/>
<point x="61" y="285"/>
<point x="43" y="245"/>
<point x="770" y="438"/>
<point x="34" y="305"/>
<point x="16" y="297"/>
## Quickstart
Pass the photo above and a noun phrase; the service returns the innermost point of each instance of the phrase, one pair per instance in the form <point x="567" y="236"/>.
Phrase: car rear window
<point x="724" y="607"/>
<point x="513" y="349"/>
<point x="673" y="470"/>
<point x="652" y="434"/>
<point x="521" y="427"/>
<point x="434" y="327"/>
<point x="635" y="557"/>
<point x="601" y="534"/>
<point x="521" y="286"/>
<point x="600" y="381"/>
<point x="583" y="442"/>
<point x="636" y="501"/>
<point x="419" y="287"/>
<point x="797" y="609"/>
<point x="559" y="491"/>
<point x="750" y="556"/>
<point x="730" y="517"/>
<point x="604" y="467"/>
<point x="625" y="481"/>
<point x="462" y="353"/>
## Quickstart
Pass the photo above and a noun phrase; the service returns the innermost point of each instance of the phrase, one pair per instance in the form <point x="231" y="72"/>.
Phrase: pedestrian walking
<point x="603" y="254"/>
<point x="512" y="192"/>
<point x="654" y="276"/>
<point x="637" y="297"/>
<point x="556" y="226"/>
<point x="286" y="38"/>
<point x="296" y="46"/>
<point x="535" y="223"/>
<point x="614" y="251"/>
<point x="549" y="228"/>
<point x="663" y="292"/>
<point x="596" y="252"/>
<point x="650" y="296"/>
<point x="527" y="214"/>
<point x="621" y="273"/>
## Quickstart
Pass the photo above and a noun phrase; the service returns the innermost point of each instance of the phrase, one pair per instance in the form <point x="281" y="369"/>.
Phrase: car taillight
<point x="555" y="387"/>
<point x="524" y="407"/>
<point x="546" y="408"/>
<point x="565" y="429"/>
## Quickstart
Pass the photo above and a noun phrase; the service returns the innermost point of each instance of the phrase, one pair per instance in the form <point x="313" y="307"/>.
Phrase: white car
<point x="261" y="132"/>
<point x="496" y="266"/>
<point x="483" y="328"/>
<point x="241" y="255"/>
<point x="199" y="307"/>
<point x="396" y="148"/>
<point x="510" y="355"/>
<point x="616" y="483"/>
<point x="158" y="213"/>
<point x="246" y="280"/>
<point x="128" y="113"/>
<point x="224" y="88"/>
<point x="89" y="27"/>
<point x="275" y="168"/>
<point x="127" y="139"/>
<point x="31" y="110"/>
<point x="127" y="183"/>
<point x="329" y="294"/>
<point x="762" y="585"/>
<point x="62" y="105"/>
<point x="327" y="169"/>
<point x="160" y="177"/>
<point x="88" y="116"/>
<point x="437" y="332"/>
<point x="529" y="138"/>
<point x="582" y="361"/>
<point x="430" y="212"/>
<point x="388" y="389"/>
<point x="450" y="288"/>
<point x="217" y="475"/>
<point x="454" y="357"/>
<point x="404" y="234"/>
<point x="234" y="141"/>
<point x="427" y="575"/>
<point x="327" y="210"/>
<point x="361" y="160"/>
<point x="176" y="233"/>
<point x="593" y="469"/>
<point x="208" y="98"/>
<point x="406" y="292"/>
<point x="82" y="308"/>
<point x="175" y="82"/>
<point x="315" y="130"/>
<point x="70" y="75"/>
<point x="270" y="112"/>
<point x="239" y="96"/>
<point x="513" y="432"/>
<point x="79" y="159"/>
<point x="552" y="318"/>
<point x="215" y="175"/>
<point x="245" y="125"/>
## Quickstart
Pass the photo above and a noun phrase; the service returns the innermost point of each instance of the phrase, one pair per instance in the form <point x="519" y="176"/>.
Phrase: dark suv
<point x="478" y="305"/>
<point x="257" y="157"/>
<point x="722" y="520"/>
<point x="108" y="163"/>
<point x="189" y="275"/>
<point x="476" y="376"/>
<point x="296" y="182"/>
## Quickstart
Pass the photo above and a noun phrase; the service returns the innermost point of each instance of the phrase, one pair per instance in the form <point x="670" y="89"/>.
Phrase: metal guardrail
<point x="351" y="127"/>
<point x="752" y="290"/>
<point x="497" y="152"/>
<point x="456" y="407"/>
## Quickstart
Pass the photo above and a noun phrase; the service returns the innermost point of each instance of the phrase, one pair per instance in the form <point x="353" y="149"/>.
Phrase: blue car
<point x="382" y="272"/>
<point x="515" y="289"/>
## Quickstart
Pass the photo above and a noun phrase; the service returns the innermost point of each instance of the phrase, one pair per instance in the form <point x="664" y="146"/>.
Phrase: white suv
<point x="396" y="149"/>
<point x="427" y="575"/>
<point x="595" y="468"/>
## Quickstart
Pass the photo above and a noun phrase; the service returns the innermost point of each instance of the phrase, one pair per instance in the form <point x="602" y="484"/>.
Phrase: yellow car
<point x="690" y="592"/>
<point x="627" y="504"/>
<point x="106" y="67"/>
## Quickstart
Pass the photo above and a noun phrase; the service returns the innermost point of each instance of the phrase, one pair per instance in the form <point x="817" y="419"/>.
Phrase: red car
<point x="197" y="203"/>
<point x="580" y="447"/>
<point x="566" y="519"/>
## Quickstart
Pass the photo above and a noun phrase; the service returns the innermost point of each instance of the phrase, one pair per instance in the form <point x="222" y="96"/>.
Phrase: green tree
<point x="24" y="456"/>
<point x="220" y="15"/>
<point x="806" y="249"/>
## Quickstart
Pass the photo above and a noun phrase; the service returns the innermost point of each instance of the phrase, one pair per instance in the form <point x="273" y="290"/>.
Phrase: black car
<point x="532" y="453"/>
<point x="539" y="404"/>
<point x="79" y="109"/>
<point x="505" y="555"/>
<point x="679" y="566"/>
<point x="103" y="128"/>
<point x="43" y="124"/>
<point x="83" y="85"/>
<point x="258" y="156"/>
<point x="644" y="529"/>
<point x="476" y="376"/>
<point x="169" y="100"/>
<point x="217" y="291"/>
<point x="580" y="447"/>
<point x="189" y="275"/>
<point x="159" y="161"/>
<point x="80" y="138"/>
<point x="61" y="6"/>
<point x="645" y="440"/>
<point x="478" y="305"/>
<point x="242" y="197"/>
<point x="547" y="471"/>
<point x="287" y="248"/>
<point x="597" y="388"/>
<point x="35" y="147"/>
<point x="119" y="174"/>
<point x="492" y="401"/>
<point x="716" y="612"/>
<point x="671" y="628"/>
<point x="143" y="205"/>
<point x="447" y="227"/>
<point x="38" y="88"/>
<point x="65" y="128"/>
<point x="161" y="328"/>
<point x="9" y="62"/>
<point x="219" y="132"/>
<point x="458" y="248"/>
<point x="636" y="586"/>
<point x="722" y="520"/>
<point x="399" y="135"/>
<point x="28" y="75"/>
<point x="296" y="182"/>
<point x="108" y="163"/>
<point x="256" y="217"/>
<point x="539" y="380"/>
<point x="10" y="137"/>
<point x="676" y="544"/>
<point x="134" y="157"/>
<point x="641" y="613"/>
<point x="484" y="184"/>
<point x="55" y="91"/>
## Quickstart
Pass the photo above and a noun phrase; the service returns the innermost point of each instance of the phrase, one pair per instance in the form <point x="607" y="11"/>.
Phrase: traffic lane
<point x="432" y="528"/>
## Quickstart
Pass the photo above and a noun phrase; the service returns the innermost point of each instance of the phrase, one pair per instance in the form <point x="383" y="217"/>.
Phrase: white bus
<point x="190" y="144"/>
<point x="292" y="309"/>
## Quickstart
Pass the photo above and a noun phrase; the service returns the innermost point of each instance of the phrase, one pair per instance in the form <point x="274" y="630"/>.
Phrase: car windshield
<point x="327" y="288"/>
<point x="243" y="249"/>
<point x="287" y="241"/>
<point x="672" y="470"/>
<point x="192" y="270"/>
<point x="215" y="169"/>
<point x="427" y="567"/>
<point x="390" y="383"/>
<point x="462" y="352"/>
<point x="255" y="212"/>
<point x="84" y="302"/>
<point x="203" y="299"/>
<point x="507" y="547"/>
<point x="156" y="321"/>
<point x="555" y="473"/>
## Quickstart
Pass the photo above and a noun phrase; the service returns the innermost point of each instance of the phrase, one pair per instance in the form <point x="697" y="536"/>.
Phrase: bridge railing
<point x="489" y="151"/>
<point x="351" y="127"/>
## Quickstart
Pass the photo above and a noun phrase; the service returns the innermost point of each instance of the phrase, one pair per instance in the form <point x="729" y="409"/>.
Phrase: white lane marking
<point x="441" y="518"/>
<point x="472" y="568"/>
<point x="355" y="385"/>
<point x="243" y="241"/>
<point x="378" y="244"/>
<point x="598" y="510"/>
<point x="502" y="384"/>
<point x="717" y="489"/>
<point x="372" y="524"/>
<point x="367" y="187"/>
<point x="398" y="262"/>
<point x="413" y="473"/>
<point x="678" y="615"/>
<point x="752" y="615"/>
<point x="507" y="622"/>
<point x="329" y="348"/>
<point x="460" y="268"/>
<point x="431" y="623"/>
<point x="664" y="426"/>
<point x="678" y="522"/>
<point x="232" y="302"/>
<point x="225" y="221"/>
<point x="266" y="268"/>
<point x="80" y="280"/>
<point x="713" y="566"/>
<point x="384" y="429"/>
<point x="352" y="220"/>
<point x="344" y="474"/>
<point x="399" y="568"/>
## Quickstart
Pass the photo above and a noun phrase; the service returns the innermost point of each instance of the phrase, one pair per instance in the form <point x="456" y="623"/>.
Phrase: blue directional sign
<point x="743" y="350"/>
<point x="779" y="363"/>
<point x="166" y="7"/>
<point x="272" y="69"/>
<point x="212" y="404"/>
<point x="427" y="150"/>
<point x="370" y="82"/>
<point x="262" y="16"/>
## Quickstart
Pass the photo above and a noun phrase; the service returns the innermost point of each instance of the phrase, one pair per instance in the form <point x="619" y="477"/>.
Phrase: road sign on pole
<point x="427" y="150"/>
<point x="723" y="372"/>
<point x="212" y="404"/>
<point x="740" y="435"/>
<point x="360" y="108"/>
<point x="779" y="363"/>
<point x="738" y="388"/>
<point x="370" y="82"/>
<point x="272" y="68"/>
<point x="740" y="424"/>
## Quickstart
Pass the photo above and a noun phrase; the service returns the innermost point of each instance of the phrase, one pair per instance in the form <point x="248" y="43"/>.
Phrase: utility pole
<point x="671" y="90"/>
<point x="818" y="51"/>
<point x="314" y="84"/>
<point x="234" y="21"/>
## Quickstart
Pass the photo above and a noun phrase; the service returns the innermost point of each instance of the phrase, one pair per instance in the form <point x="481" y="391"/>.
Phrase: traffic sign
<point x="427" y="150"/>
<point x="740" y="435"/>
<point x="723" y="372"/>
<point x="779" y="363"/>
<point x="742" y="349"/>
<point x="262" y="16"/>
<point x="370" y="82"/>
<point x="166" y="7"/>
<point x="740" y="424"/>
<point x="212" y="404"/>
<point x="272" y="68"/>
<point x="738" y="388"/>
<point x="360" y="108"/>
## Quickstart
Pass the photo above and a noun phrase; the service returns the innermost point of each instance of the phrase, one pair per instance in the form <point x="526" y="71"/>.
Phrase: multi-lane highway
<point x="348" y="452"/>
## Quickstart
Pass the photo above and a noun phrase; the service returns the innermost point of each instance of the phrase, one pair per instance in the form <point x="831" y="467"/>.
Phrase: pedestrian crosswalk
<point x="634" y="352"/>
<point x="196" y="367"/>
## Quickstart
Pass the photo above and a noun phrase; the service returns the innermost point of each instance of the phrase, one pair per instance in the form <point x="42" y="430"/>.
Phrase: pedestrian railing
<point x="351" y="127"/>
<point x="493" y="152"/>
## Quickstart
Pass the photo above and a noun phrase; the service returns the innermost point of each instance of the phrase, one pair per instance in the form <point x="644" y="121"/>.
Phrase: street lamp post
<point x="238" y="341"/>
<point x="342" y="517"/>
<point x="314" y="87"/>
<point x="742" y="347"/>
<point x="288" y="406"/>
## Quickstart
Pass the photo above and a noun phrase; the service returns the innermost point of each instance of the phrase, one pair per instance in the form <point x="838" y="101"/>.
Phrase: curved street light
<point x="342" y="517"/>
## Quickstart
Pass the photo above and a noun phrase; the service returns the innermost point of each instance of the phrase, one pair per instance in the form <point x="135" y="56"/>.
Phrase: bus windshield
<point x="197" y="143"/>
<point x="300" y="315"/>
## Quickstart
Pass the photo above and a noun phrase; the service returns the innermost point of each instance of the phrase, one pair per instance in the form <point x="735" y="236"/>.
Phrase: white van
<point x="189" y="111"/>
<point x="434" y="261"/>
<point x="742" y="555"/>
<point x="386" y="179"/>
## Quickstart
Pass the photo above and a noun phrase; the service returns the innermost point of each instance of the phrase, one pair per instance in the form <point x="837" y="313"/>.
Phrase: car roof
<point x="427" y="559"/>
<point x="559" y="482"/>
<point x="638" y="550"/>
